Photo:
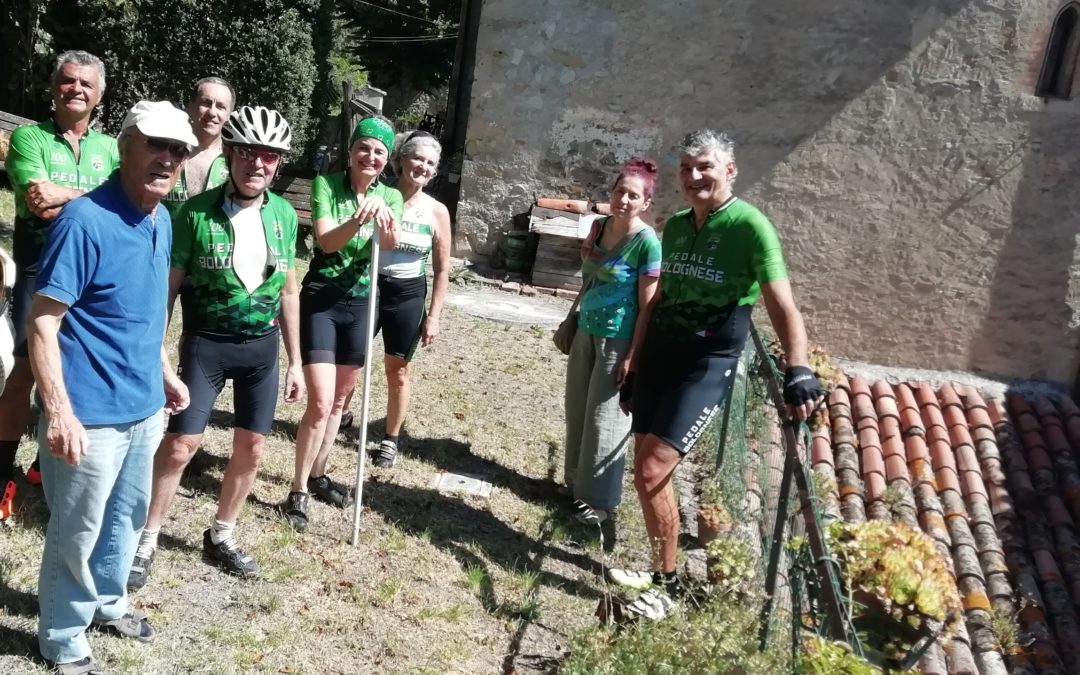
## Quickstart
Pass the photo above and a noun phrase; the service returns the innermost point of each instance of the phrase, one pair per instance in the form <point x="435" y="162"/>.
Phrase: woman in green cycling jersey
<point x="345" y="209"/>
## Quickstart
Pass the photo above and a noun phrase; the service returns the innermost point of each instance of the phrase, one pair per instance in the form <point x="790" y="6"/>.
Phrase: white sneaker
<point x="632" y="579"/>
<point x="654" y="605"/>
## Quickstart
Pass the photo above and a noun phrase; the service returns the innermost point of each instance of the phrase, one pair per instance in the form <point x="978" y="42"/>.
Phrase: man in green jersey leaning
<point x="49" y="164"/>
<point x="718" y="257"/>
<point x="235" y="244"/>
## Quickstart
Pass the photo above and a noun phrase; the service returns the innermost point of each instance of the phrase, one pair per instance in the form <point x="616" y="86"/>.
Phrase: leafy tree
<point x="422" y="55"/>
<point x="157" y="49"/>
<point x="21" y="62"/>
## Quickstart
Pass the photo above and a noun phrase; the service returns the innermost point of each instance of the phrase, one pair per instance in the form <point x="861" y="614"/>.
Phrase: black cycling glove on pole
<point x="801" y="385"/>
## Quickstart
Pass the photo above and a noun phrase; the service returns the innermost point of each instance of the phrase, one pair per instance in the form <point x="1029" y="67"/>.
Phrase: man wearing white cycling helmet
<point x="235" y="245"/>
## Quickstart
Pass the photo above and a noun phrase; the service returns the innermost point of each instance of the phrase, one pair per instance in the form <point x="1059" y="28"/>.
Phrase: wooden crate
<point x="558" y="257"/>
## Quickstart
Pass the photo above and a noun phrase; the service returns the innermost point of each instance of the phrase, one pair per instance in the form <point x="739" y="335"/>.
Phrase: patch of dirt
<point x="438" y="584"/>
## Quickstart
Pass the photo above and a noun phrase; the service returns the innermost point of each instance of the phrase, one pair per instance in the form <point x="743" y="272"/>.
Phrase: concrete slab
<point x="461" y="483"/>
<point x="500" y="306"/>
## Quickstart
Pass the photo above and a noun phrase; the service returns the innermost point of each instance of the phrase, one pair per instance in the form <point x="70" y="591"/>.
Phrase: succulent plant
<point x="732" y="565"/>
<point x="715" y="515"/>
<point x="894" y="570"/>
<point x="819" y="656"/>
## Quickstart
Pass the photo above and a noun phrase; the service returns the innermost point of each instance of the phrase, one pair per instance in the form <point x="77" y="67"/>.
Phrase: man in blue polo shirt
<point x="95" y="331"/>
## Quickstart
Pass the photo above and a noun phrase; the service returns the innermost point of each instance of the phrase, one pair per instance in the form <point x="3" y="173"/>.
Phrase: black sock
<point x="672" y="584"/>
<point x="392" y="439"/>
<point x="657" y="578"/>
<point x="7" y="459"/>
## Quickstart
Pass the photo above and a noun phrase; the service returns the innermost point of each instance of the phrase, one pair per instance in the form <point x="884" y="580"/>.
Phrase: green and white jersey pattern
<point x="203" y="242"/>
<point x="349" y="268"/>
<point x="706" y="274"/>
<point x="409" y="258"/>
<point x="40" y="152"/>
<point x="217" y="176"/>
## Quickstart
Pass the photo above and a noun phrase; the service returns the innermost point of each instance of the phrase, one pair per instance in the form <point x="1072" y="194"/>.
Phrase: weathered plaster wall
<point x="928" y="202"/>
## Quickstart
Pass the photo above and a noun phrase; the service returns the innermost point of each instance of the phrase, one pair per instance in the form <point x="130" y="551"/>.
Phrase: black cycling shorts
<point x="402" y="311"/>
<point x="252" y="365"/>
<point x="22" y="295"/>
<point x="333" y="327"/>
<point x="678" y="389"/>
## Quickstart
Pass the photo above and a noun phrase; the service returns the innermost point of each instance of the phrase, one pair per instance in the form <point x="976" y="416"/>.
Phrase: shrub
<point x="719" y="637"/>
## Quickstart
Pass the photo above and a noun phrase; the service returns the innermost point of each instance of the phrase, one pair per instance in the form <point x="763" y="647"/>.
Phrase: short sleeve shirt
<point x="109" y="263"/>
<point x="349" y="268"/>
<point x="609" y="306"/>
<point x="203" y="242"/>
<point x="40" y="152"/>
<point x="707" y="274"/>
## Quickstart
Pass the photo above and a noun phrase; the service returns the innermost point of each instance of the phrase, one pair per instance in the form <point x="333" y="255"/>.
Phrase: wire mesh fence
<point x="762" y="482"/>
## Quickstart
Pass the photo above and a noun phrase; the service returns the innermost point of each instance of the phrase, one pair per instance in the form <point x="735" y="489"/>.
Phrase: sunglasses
<point x="250" y="154"/>
<point x="178" y="151"/>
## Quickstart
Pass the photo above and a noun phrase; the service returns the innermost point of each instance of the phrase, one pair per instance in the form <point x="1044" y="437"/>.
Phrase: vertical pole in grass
<point x="369" y="340"/>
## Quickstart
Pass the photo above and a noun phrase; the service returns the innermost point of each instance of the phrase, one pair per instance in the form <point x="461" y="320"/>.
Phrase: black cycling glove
<point x="801" y="385"/>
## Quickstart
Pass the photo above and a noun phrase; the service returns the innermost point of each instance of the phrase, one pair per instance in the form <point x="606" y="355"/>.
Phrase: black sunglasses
<point x="177" y="150"/>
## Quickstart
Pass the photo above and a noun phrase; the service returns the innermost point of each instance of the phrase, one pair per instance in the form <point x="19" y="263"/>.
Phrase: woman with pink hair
<point x="620" y="267"/>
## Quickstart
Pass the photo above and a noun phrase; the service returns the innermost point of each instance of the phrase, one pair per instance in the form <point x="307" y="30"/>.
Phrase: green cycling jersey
<point x="216" y="176"/>
<point x="349" y="268"/>
<point x="203" y="243"/>
<point x="706" y="275"/>
<point x="40" y="152"/>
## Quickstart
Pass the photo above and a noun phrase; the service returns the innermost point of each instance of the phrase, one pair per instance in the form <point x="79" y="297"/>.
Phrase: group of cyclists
<point x="232" y="265"/>
<point x="660" y="328"/>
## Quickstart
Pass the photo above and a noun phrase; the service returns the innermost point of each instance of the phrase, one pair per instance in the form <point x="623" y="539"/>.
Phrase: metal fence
<point x="763" y="481"/>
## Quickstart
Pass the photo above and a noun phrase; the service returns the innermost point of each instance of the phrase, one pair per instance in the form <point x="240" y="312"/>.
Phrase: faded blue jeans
<point x="96" y="512"/>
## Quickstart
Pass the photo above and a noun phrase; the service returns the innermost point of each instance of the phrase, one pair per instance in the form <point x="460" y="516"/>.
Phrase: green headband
<point x="373" y="127"/>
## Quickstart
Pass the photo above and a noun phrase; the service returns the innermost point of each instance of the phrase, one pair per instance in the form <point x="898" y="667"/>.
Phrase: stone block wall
<point x="928" y="202"/>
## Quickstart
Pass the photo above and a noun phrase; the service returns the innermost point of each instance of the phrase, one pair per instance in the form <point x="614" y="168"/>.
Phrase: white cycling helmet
<point x="257" y="125"/>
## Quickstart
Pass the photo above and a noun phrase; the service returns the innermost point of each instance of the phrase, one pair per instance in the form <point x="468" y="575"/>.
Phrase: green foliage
<point x="159" y="49"/>
<point x="424" y="60"/>
<point x="825" y="657"/>
<point x="900" y="582"/>
<point x="716" y="638"/>
<point x="732" y="565"/>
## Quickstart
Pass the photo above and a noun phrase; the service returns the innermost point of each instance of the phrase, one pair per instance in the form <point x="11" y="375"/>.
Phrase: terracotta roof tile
<point x="995" y="484"/>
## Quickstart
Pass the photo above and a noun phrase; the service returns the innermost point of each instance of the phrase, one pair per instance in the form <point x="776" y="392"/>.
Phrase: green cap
<point x="377" y="128"/>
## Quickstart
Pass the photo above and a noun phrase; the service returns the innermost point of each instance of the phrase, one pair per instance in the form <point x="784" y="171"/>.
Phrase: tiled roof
<point x="997" y="487"/>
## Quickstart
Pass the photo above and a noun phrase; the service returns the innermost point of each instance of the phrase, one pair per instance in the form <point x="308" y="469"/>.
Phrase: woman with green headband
<point x="345" y="209"/>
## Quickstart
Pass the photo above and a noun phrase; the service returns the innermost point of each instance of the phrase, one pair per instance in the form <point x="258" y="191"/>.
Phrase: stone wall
<point x="929" y="203"/>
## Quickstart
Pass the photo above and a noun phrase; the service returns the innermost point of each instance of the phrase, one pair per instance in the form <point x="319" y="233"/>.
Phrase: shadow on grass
<point x="15" y="602"/>
<point x="14" y="642"/>
<point x="453" y="455"/>
<point x="456" y="526"/>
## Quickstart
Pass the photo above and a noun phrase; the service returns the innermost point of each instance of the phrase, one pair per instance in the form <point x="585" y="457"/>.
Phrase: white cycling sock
<point x="221" y="531"/>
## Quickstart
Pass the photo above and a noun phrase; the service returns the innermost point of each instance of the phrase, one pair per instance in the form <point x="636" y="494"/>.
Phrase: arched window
<point x="1059" y="65"/>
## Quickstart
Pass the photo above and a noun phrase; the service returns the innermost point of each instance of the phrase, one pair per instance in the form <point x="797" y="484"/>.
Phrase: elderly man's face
<point x="210" y="108"/>
<point x="76" y="88"/>
<point x="150" y="166"/>
<point x="252" y="168"/>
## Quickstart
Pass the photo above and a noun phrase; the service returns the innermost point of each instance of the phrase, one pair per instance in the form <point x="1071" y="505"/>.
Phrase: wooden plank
<point x="552" y="241"/>
<point x="546" y="280"/>
<point x="9" y="121"/>
<point x="291" y="182"/>
<point x="558" y="228"/>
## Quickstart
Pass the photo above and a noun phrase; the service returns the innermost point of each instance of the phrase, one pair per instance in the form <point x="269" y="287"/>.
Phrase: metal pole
<point x="361" y="450"/>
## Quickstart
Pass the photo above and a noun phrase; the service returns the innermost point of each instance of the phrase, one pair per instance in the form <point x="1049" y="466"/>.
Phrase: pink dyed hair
<point x="643" y="168"/>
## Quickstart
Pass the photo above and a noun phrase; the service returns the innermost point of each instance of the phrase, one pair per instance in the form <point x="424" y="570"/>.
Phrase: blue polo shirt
<point x="109" y="263"/>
